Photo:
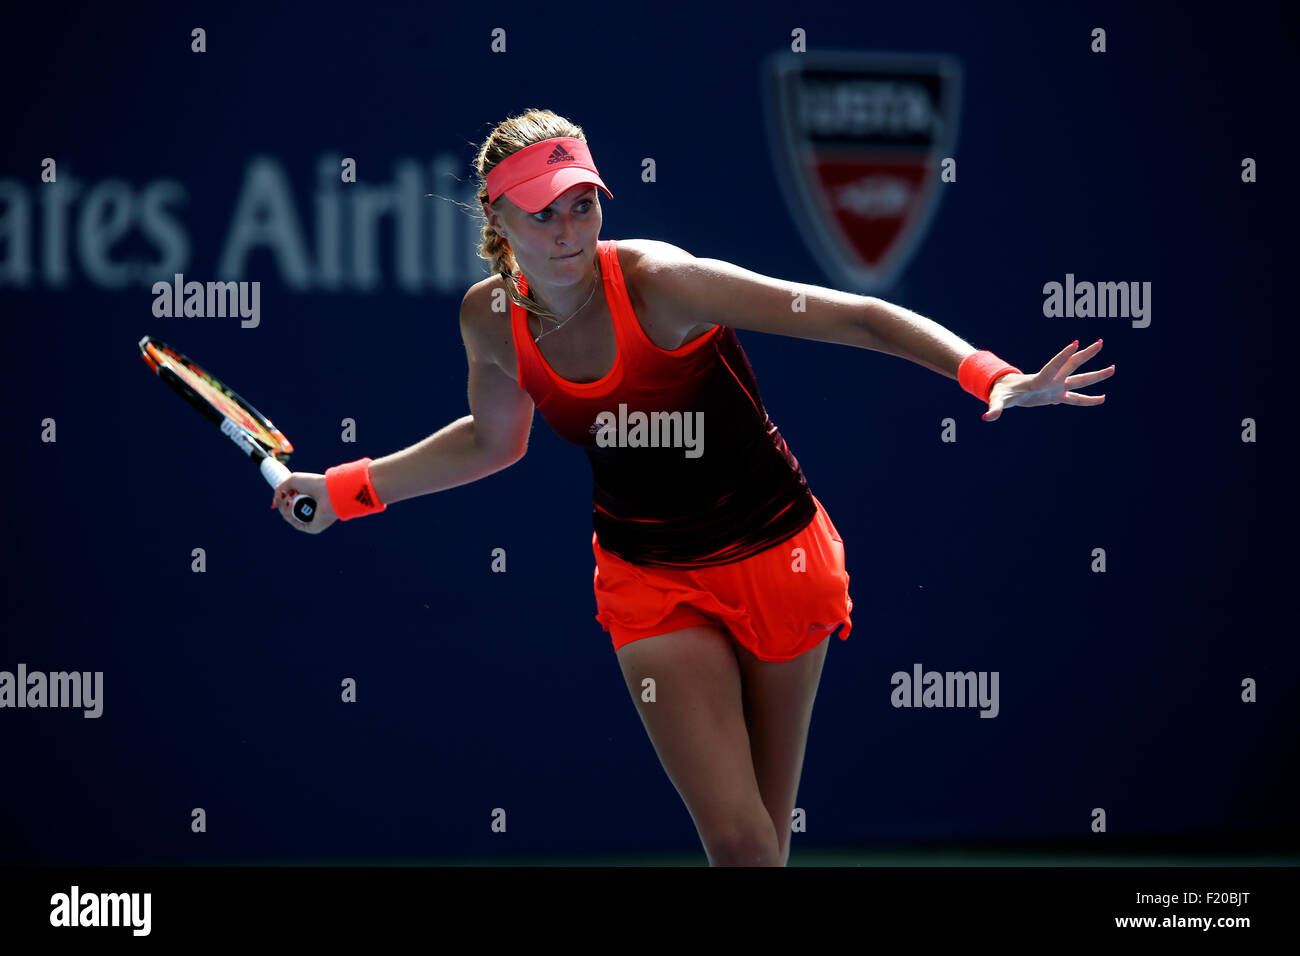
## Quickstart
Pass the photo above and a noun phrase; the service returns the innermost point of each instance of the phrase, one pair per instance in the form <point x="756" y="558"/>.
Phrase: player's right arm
<point x="492" y="437"/>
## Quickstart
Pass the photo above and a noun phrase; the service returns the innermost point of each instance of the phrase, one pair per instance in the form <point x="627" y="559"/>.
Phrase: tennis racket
<point x="243" y="424"/>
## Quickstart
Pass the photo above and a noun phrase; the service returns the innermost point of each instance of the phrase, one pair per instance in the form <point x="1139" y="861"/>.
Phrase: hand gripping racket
<point x="239" y="421"/>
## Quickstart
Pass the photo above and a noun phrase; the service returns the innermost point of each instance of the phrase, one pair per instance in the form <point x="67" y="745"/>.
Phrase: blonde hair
<point x="510" y="136"/>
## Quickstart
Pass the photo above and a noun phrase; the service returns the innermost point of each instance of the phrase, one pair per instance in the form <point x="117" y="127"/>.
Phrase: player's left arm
<point x="714" y="292"/>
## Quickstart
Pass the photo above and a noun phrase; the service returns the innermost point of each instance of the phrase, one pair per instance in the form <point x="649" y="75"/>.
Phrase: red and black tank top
<point x="687" y="468"/>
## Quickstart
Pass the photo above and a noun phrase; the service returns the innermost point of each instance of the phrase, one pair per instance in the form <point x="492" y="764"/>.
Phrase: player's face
<point x="559" y="241"/>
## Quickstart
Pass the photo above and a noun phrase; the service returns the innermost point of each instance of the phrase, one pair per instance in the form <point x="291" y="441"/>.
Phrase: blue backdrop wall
<point x="1120" y="690"/>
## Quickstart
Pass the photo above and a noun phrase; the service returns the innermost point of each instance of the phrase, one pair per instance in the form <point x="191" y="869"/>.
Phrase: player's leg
<point x="697" y="727"/>
<point x="778" y="702"/>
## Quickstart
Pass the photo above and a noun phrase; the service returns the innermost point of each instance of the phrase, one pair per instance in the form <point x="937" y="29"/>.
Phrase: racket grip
<point x="302" y="506"/>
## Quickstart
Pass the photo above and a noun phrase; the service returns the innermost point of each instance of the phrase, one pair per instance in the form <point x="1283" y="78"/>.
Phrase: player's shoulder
<point x="483" y="318"/>
<point x="645" y="255"/>
<point x="479" y="295"/>
<point x="644" y="262"/>
<point x="486" y="306"/>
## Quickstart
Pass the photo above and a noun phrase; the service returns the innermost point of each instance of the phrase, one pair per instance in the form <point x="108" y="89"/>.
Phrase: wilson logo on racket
<point x="236" y="434"/>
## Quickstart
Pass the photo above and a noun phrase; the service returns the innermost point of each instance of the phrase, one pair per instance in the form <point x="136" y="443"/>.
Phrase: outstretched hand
<point x="1052" y="385"/>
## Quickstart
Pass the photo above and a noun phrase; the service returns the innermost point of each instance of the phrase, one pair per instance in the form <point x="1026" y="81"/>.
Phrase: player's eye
<point x="546" y="212"/>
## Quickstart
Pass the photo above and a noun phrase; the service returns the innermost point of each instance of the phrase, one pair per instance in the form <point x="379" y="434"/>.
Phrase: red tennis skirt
<point x="778" y="603"/>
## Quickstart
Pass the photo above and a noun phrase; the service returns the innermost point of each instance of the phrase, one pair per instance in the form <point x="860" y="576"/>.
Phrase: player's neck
<point x="563" y="301"/>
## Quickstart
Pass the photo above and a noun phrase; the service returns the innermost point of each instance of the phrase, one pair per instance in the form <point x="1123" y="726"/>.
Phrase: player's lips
<point x="566" y="257"/>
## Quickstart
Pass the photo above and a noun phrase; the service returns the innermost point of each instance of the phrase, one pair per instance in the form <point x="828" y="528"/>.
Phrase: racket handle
<point x="303" y="506"/>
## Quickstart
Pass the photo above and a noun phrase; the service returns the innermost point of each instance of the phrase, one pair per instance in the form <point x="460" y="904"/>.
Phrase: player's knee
<point x="741" y="845"/>
<point x="782" y="845"/>
<point x="783" y="851"/>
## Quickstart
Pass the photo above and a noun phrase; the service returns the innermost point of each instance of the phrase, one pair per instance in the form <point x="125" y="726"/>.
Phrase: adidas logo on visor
<point x="560" y="155"/>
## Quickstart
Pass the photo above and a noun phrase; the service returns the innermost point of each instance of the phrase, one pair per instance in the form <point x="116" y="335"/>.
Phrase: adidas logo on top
<point x="559" y="155"/>
<point x="363" y="496"/>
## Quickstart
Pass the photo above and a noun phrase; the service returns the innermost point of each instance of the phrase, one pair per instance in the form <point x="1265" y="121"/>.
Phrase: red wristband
<point x="351" y="493"/>
<point x="978" y="371"/>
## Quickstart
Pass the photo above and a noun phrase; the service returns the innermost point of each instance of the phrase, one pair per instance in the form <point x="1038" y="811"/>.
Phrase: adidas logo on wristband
<point x="350" y="490"/>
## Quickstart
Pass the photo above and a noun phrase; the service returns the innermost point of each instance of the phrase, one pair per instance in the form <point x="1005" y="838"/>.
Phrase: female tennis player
<point x="718" y="574"/>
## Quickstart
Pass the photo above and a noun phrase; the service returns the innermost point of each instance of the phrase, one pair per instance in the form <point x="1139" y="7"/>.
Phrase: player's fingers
<point x="1060" y="358"/>
<point x="1074" y="398"/>
<point x="1083" y="355"/>
<point x="1089" y="378"/>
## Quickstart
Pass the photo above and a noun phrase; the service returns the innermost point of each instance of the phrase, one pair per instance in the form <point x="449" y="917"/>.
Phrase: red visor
<point x="534" y="176"/>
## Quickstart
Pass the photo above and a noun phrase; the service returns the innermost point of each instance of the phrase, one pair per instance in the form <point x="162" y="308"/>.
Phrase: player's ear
<point x="494" y="219"/>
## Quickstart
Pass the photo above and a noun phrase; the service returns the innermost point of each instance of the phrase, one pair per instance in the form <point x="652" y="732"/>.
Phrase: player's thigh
<point x="778" y="711"/>
<point x="696" y="723"/>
